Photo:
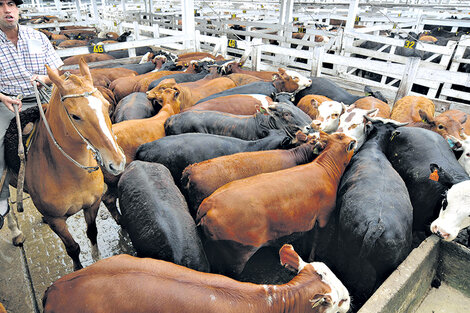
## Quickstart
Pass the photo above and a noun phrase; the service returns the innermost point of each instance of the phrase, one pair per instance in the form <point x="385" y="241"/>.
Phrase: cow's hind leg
<point x="90" y="218"/>
<point x="59" y="226"/>
<point x="17" y="235"/>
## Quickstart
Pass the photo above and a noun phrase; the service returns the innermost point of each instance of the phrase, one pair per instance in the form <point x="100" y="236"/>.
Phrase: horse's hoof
<point x="77" y="267"/>
<point x="18" y="240"/>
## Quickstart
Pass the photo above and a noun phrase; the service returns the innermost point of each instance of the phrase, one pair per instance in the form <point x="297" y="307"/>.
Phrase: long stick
<point x="21" y="172"/>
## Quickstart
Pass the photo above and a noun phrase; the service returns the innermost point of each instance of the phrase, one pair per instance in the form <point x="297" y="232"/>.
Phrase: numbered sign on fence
<point x="296" y="18"/>
<point x="410" y="44"/>
<point x="96" y="49"/>
<point x="232" y="43"/>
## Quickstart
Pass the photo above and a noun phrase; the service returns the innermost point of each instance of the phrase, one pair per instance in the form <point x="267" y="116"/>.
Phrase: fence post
<point x="408" y="78"/>
<point x="223" y="45"/>
<point x="317" y="61"/>
<point x="156" y="31"/>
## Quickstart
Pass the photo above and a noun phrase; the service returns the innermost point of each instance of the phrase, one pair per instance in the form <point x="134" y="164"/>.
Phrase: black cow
<point x="177" y="152"/>
<point x="325" y="87"/>
<point x="156" y="216"/>
<point x="373" y="220"/>
<point x="273" y="116"/>
<point x="132" y="107"/>
<point x="120" y="54"/>
<point x="410" y="151"/>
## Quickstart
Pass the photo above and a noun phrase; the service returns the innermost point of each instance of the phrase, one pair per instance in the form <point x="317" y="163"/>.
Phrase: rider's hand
<point x="9" y="101"/>
<point x="44" y="78"/>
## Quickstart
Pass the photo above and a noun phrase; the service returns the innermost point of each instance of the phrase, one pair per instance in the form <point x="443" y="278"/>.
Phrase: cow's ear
<point x="441" y="176"/>
<point x="290" y="258"/>
<point x="314" y="103"/>
<point x="368" y="127"/>
<point x="425" y="118"/>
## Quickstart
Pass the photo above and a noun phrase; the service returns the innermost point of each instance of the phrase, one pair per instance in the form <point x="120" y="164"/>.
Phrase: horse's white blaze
<point x="95" y="104"/>
<point x="260" y="98"/>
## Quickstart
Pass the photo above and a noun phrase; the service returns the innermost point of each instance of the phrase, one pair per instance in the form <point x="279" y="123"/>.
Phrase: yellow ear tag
<point x="434" y="176"/>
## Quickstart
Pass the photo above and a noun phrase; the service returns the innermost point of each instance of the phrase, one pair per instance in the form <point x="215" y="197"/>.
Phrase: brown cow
<point x="369" y="103"/>
<point x="444" y="125"/>
<point x="406" y="110"/>
<point x="124" y="283"/>
<point x="309" y="104"/>
<point x="460" y="116"/>
<point x="243" y="79"/>
<point x="89" y="57"/>
<point x="72" y="43"/>
<point x="235" y="67"/>
<point x="234" y="104"/>
<point x="104" y="76"/>
<point x="201" y="179"/>
<point x="143" y="84"/>
<point x="246" y="214"/>
<point x="187" y="94"/>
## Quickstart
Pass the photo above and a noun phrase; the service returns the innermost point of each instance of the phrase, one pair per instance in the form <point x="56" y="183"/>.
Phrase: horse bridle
<point x="96" y="153"/>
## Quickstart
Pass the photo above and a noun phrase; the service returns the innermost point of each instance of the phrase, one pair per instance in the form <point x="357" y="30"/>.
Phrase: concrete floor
<point x="445" y="299"/>
<point x="26" y="272"/>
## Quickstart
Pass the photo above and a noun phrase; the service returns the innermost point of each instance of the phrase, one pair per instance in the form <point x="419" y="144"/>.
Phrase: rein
<point x="46" y="124"/>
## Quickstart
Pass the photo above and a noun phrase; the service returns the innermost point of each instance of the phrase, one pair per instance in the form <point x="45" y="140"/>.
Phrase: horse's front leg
<point x="17" y="235"/>
<point x="59" y="226"/>
<point x="90" y="218"/>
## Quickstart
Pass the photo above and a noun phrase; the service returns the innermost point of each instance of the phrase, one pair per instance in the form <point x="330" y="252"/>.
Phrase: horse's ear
<point x="54" y="77"/>
<point x="85" y="70"/>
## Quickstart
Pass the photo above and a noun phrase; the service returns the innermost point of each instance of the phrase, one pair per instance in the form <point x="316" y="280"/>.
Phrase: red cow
<point x="90" y="57"/>
<point x="124" y="283"/>
<point x="369" y="103"/>
<point x="406" y="110"/>
<point x="309" y="104"/>
<point x="234" y="104"/>
<point x="201" y="179"/>
<point x="246" y="214"/>
<point x="460" y="116"/>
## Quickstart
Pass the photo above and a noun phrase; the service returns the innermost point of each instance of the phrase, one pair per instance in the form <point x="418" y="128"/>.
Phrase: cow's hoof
<point x="18" y="240"/>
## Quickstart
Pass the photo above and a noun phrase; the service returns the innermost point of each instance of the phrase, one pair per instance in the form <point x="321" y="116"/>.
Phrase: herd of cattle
<point x="224" y="161"/>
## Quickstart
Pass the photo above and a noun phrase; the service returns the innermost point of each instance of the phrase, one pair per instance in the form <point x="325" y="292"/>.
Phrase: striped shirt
<point x="18" y="64"/>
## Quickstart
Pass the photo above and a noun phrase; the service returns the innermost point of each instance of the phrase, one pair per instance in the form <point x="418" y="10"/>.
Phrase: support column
<point x="79" y="12"/>
<point x="189" y="25"/>
<point x="285" y="19"/>
<point x="96" y="16"/>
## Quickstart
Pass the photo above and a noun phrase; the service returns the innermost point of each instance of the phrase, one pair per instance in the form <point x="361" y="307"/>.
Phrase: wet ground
<point x="26" y="272"/>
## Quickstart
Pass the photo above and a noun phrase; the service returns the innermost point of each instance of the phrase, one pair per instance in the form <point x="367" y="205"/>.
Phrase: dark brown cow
<point x="143" y="84"/>
<point x="200" y="180"/>
<point x="235" y="67"/>
<point x="246" y="214"/>
<point x="234" y="104"/>
<point x="52" y="36"/>
<point x="309" y="104"/>
<point x="369" y="103"/>
<point x="90" y="57"/>
<point x="130" y="284"/>
<point x="104" y="76"/>
<point x="187" y="94"/>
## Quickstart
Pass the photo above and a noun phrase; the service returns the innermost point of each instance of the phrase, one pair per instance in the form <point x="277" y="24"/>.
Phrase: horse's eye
<point x="444" y="204"/>
<point x="76" y="117"/>
<point x="440" y="126"/>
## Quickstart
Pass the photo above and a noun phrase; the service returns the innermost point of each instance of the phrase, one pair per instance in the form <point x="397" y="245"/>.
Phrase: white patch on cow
<point x="145" y="58"/>
<point x="303" y="82"/>
<point x="464" y="160"/>
<point x="206" y="59"/>
<point x="96" y="105"/>
<point x="212" y="297"/>
<point x="352" y="124"/>
<point x="338" y="290"/>
<point x="266" y="287"/>
<point x="269" y="300"/>
<point x="329" y="113"/>
<point x="261" y="98"/>
<point x="456" y="215"/>
<point x="283" y="299"/>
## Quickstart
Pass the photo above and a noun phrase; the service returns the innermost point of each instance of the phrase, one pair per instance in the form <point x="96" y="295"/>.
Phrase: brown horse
<point x="77" y="115"/>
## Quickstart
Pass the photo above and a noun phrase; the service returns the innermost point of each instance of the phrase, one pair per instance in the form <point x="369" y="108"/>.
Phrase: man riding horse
<point x="24" y="52"/>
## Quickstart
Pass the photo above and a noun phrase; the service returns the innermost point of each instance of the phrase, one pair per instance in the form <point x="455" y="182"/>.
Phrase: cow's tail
<point x="373" y="233"/>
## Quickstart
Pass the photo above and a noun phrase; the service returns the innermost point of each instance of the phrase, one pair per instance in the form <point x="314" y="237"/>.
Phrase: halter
<point x="95" y="151"/>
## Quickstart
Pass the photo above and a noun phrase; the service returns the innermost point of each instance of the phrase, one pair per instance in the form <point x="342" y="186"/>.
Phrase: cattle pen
<point x="357" y="44"/>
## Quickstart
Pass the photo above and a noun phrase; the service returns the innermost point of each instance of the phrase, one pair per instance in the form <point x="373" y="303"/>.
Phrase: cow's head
<point x="444" y="125"/>
<point x="166" y="93"/>
<point x="352" y="123"/>
<point x="325" y="291"/>
<point x="329" y="113"/>
<point x="462" y="150"/>
<point x="290" y="81"/>
<point x="287" y="117"/>
<point x="455" y="210"/>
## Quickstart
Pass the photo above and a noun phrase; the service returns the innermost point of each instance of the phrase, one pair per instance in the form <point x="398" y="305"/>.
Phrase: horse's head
<point x="84" y="117"/>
